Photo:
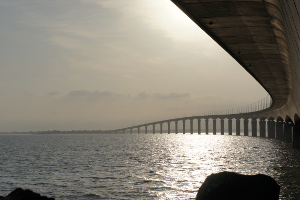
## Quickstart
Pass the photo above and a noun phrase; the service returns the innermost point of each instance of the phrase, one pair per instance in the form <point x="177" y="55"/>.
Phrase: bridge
<point x="263" y="37"/>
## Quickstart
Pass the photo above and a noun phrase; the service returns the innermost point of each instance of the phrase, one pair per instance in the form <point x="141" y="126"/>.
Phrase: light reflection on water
<point x="139" y="166"/>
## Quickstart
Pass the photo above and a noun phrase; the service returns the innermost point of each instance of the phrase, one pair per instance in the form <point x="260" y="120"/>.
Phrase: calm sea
<point x="139" y="166"/>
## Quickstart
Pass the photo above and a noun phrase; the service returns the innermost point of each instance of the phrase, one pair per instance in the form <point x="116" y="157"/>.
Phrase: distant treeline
<point x="57" y="132"/>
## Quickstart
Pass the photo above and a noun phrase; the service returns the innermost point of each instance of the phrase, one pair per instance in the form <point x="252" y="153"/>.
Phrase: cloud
<point x="142" y="95"/>
<point x="160" y="96"/>
<point x="96" y="95"/>
<point x="53" y="93"/>
<point x="91" y="95"/>
<point x="172" y="95"/>
<point x="7" y="3"/>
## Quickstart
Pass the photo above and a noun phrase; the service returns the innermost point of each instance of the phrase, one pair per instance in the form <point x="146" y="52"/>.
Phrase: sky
<point x="108" y="64"/>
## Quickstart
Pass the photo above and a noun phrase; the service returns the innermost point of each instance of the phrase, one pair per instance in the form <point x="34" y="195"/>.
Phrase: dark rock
<point x="20" y="194"/>
<point x="233" y="186"/>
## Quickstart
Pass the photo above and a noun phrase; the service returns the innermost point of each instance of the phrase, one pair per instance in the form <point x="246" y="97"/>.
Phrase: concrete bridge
<point x="263" y="36"/>
<point x="250" y="123"/>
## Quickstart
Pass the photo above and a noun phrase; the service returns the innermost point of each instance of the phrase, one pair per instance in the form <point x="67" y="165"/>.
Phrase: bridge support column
<point x="146" y="131"/>
<point x="279" y="130"/>
<point x="262" y="128"/>
<point x="161" y="128"/>
<point x="199" y="126"/>
<point x="214" y="126"/>
<point x="131" y="131"/>
<point x="296" y="136"/>
<point x="183" y="126"/>
<point x="238" y="127"/>
<point x="153" y="129"/>
<point x="288" y="132"/>
<point x="222" y="126"/>
<point x="206" y="126"/>
<point x="176" y="127"/>
<point x="271" y="128"/>
<point x="229" y="126"/>
<point x="138" y="130"/>
<point x="169" y="128"/>
<point x="191" y="126"/>
<point x="254" y="127"/>
<point x="246" y="129"/>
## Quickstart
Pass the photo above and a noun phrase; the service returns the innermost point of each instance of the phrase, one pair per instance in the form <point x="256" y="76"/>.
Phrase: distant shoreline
<point x="55" y="132"/>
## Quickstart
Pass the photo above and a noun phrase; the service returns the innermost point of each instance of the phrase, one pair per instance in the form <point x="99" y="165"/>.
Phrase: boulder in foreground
<point x="233" y="186"/>
<point x="20" y="194"/>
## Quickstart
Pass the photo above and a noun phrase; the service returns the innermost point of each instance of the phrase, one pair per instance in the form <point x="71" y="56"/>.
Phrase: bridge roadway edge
<point x="263" y="37"/>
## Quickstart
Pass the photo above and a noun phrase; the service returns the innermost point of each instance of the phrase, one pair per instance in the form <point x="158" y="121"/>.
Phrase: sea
<point x="138" y="166"/>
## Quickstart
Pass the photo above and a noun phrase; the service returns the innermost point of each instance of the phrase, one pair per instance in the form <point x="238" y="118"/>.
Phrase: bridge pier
<point x="279" y="130"/>
<point x="199" y="126"/>
<point x="262" y="127"/>
<point x="222" y="126"/>
<point x="153" y="130"/>
<point x="237" y="127"/>
<point x="214" y="126"/>
<point x="246" y="129"/>
<point x="229" y="126"/>
<point x="206" y="126"/>
<point x="161" y="128"/>
<point x="254" y="127"/>
<point x="183" y="126"/>
<point x="296" y="136"/>
<point x="288" y="132"/>
<point x="191" y="126"/>
<point x="271" y="128"/>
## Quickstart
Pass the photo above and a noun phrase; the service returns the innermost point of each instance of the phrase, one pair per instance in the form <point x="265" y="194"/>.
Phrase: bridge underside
<point x="256" y="33"/>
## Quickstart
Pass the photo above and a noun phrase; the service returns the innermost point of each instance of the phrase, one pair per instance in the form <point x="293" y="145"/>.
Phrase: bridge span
<point x="251" y="124"/>
<point x="263" y="36"/>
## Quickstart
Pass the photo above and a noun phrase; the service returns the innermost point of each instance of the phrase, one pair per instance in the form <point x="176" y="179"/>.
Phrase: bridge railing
<point x="259" y="105"/>
<point x="262" y="104"/>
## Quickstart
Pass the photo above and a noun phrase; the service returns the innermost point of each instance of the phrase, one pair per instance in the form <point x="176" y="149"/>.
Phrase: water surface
<point x="139" y="166"/>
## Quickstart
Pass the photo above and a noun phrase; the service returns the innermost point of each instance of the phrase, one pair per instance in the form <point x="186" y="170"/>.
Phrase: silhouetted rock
<point x="233" y="186"/>
<point x="20" y="194"/>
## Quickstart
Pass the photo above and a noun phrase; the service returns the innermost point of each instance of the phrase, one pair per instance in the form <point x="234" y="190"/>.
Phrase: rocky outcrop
<point x="20" y="194"/>
<point x="233" y="186"/>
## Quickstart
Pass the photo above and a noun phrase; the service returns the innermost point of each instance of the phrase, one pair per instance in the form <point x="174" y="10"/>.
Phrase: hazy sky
<point x="105" y="64"/>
